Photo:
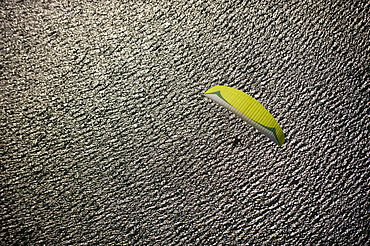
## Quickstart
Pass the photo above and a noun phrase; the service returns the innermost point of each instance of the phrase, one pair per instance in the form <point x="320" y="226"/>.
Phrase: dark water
<point x="106" y="138"/>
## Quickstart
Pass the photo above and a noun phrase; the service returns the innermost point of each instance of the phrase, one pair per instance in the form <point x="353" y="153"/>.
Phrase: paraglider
<point x="248" y="109"/>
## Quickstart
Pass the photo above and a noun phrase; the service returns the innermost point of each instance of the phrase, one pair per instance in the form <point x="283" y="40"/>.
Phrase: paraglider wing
<point x="249" y="109"/>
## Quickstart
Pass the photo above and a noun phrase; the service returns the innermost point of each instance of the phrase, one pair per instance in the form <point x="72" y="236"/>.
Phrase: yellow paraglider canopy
<point x="249" y="109"/>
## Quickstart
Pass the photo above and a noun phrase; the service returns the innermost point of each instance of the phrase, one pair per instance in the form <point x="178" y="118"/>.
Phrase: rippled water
<point x="107" y="139"/>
